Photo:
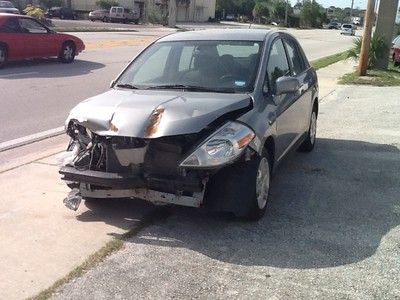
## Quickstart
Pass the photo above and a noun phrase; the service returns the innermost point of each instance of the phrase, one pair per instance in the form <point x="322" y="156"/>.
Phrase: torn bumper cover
<point x="130" y="181"/>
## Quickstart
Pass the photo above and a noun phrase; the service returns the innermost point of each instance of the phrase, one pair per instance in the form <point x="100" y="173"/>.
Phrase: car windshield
<point x="6" y="4"/>
<point x="215" y="66"/>
<point x="347" y="26"/>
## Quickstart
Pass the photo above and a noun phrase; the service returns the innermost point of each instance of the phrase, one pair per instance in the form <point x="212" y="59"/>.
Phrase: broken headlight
<point x="224" y="146"/>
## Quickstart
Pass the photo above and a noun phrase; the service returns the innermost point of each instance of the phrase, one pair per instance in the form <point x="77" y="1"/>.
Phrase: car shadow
<point x="121" y="213"/>
<point x="47" y="68"/>
<point x="328" y="208"/>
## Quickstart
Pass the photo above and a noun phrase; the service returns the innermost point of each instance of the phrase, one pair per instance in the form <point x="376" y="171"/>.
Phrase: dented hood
<point x="130" y="112"/>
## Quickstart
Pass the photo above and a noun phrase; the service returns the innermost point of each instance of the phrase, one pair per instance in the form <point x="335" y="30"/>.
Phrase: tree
<point x="172" y="13"/>
<point x="312" y="14"/>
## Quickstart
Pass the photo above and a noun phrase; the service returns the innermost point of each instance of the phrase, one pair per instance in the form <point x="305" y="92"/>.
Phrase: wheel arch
<point x="315" y="106"/>
<point x="5" y="45"/>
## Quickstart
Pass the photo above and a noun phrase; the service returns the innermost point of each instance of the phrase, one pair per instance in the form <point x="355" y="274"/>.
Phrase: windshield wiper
<point x="191" y="88"/>
<point x="127" y="86"/>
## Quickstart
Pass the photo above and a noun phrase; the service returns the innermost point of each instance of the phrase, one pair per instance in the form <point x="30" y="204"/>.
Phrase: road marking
<point x="18" y="74"/>
<point x="31" y="138"/>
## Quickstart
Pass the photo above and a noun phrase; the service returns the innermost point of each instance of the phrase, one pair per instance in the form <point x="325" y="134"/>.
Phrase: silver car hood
<point x="121" y="112"/>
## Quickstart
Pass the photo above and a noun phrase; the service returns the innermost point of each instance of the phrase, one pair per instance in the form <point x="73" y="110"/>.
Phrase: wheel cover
<point x="313" y="127"/>
<point x="262" y="183"/>
<point x="68" y="52"/>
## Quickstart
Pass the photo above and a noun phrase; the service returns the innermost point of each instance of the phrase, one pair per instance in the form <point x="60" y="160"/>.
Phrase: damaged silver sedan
<point x="196" y="119"/>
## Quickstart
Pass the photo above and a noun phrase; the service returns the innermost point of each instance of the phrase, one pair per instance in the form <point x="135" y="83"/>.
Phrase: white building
<point x="187" y="11"/>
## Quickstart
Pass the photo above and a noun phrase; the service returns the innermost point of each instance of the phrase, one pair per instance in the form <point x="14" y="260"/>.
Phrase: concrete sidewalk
<point x="44" y="240"/>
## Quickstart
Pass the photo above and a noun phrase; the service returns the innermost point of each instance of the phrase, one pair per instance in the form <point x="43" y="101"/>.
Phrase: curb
<point x="31" y="139"/>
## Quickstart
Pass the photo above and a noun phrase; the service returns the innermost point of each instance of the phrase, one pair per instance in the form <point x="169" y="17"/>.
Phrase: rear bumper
<point x="171" y="184"/>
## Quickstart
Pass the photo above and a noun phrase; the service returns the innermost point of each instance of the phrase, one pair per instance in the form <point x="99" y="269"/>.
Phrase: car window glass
<point x="113" y="10"/>
<point x="120" y="10"/>
<point x="294" y="57"/>
<point x="31" y="26"/>
<point x="277" y="65"/>
<point x="11" y="25"/>
<point x="237" y="50"/>
<point x="186" y="60"/>
<point x="6" y="4"/>
<point x="154" y="66"/>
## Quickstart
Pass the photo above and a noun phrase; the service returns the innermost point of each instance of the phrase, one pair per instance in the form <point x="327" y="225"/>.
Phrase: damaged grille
<point x="150" y="163"/>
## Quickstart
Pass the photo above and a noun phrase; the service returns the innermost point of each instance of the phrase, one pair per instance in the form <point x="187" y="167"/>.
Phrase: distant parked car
<point x="121" y="14"/>
<point x="62" y="13"/>
<point x="8" y="7"/>
<point x="348" y="29"/>
<point x="395" y="51"/>
<point x="333" y="25"/>
<point x="230" y="17"/>
<point x="100" y="14"/>
<point x="23" y="37"/>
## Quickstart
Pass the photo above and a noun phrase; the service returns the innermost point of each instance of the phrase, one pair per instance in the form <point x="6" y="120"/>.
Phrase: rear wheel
<point x="3" y="55"/>
<point x="67" y="54"/>
<point x="309" y="142"/>
<point x="105" y="20"/>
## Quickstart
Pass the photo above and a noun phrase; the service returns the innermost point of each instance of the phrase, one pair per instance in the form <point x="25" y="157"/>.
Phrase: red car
<point x="23" y="37"/>
<point x="395" y="51"/>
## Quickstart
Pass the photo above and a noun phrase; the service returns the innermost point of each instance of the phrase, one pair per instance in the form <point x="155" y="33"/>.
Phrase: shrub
<point x="377" y="49"/>
<point x="35" y="12"/>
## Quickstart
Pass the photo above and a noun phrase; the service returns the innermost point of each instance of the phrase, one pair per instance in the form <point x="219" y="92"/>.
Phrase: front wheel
<point x="309" y="142"/>
<point x="242" y="189"/>
<point x="67" y="54"/>
<point x="3" y="56"/>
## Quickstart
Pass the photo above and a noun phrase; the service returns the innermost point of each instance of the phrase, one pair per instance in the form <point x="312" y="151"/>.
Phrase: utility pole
<point x="351" y="9"/>
<point x="385" y="27"/>
<point x="366" y="39"/>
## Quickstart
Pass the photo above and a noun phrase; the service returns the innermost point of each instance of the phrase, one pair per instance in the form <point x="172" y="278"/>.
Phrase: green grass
<point x="375" y="77"/>
<point x="100" y="255"/>
<point x="328" y="60"/>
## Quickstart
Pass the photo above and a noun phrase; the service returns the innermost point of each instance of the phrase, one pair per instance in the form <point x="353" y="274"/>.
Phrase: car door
<point x="39" y="40"/>
<point x="298" y="70"/>
<point x="287" y="110"/>
<point x="10" y="33"/>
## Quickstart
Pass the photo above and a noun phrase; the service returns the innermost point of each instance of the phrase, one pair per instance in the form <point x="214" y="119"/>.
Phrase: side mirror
<point x="286" y="85"/>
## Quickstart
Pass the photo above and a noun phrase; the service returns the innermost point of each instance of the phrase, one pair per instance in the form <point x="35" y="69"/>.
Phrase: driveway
<point x="331" y="231"/>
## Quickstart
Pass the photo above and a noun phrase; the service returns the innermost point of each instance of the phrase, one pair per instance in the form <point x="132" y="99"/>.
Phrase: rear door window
<point x="11" y="26"/>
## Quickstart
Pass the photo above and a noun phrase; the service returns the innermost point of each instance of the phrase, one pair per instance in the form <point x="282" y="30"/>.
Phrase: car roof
<point x="219" y="34"/>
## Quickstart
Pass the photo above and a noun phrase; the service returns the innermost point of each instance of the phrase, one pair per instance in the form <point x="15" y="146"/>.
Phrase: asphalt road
<point x="37" y="95"/>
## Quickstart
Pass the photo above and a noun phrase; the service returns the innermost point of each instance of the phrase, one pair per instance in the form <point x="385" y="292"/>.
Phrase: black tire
<point x="105" y="20"/>
<point x="62" y="17"/>
<point x="309" y="142"/>
<point x="92" y="20"/>
<point x="234" y="189"/>
<point x="67" y="54"/>
<point x="3" y="55"/>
